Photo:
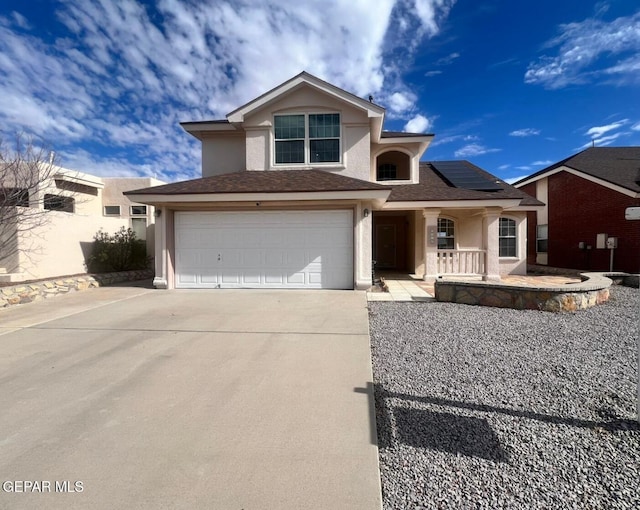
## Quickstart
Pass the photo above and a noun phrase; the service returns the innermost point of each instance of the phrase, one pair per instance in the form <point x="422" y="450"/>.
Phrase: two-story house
<point x="302" y="188"/>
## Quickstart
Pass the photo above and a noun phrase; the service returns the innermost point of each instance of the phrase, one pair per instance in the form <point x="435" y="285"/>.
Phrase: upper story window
<point x="112" y="210"/>
<point x="446" y="234"/>
<point x="507" y="238"/>
<point x="393" y="165"/>
<point x="138" y="210"/>
<point x="307" y="138"/>
<point x="58" y="203"/>
<point x="387" y="172"/>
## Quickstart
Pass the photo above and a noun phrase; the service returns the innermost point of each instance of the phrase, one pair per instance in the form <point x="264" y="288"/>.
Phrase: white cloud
<point x="636" y="127"/>
<point x="602" y="141"/>
<point x="432" y="73"/>
<point x="598" y="131"/>
<point x="511" y="180"/>
<point x="503" y="167"/>
<point x="401" y="102"/>
<point x="129" y="71"/>
<point x="418" y="124"/>
<point x="589" y="50"/>
<point x="524" y="167"/>
<point x="525" y="132"/>
<point x="473" y="149"/>
<point x="545" y="162"/>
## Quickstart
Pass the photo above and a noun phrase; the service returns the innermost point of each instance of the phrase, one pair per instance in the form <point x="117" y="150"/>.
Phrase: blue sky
<point x="512" y="86"/>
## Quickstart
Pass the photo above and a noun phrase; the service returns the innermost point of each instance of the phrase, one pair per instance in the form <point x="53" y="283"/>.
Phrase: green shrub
<point x="118" y="252"/>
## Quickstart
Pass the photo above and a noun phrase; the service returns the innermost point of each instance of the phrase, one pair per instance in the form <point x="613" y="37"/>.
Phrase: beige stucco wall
<point x="112" y="194"/>
<point x="60" y="241"/>
<point x="58" y="247"/>
<point x="223" y="153"/>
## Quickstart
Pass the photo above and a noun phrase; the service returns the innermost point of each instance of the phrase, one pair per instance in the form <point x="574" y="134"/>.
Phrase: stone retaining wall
<point x="593" y="290"/>
<point x="29" y="292"/>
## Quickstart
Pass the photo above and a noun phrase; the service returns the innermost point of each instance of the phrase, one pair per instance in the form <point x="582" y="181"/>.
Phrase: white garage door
<point x="267" y="249"/>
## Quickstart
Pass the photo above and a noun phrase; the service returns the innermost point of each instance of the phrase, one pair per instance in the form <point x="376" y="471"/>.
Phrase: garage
<point x="266" y="249"/>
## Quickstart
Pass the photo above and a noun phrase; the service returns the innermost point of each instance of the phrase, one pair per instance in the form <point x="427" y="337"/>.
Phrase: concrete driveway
<point x="188" y="399"/>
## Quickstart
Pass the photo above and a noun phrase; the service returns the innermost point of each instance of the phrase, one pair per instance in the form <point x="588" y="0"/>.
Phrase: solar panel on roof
<point x="462" y="176"/>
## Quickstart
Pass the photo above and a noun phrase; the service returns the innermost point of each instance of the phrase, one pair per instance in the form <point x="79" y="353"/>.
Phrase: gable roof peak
<point x="373" y="110"/>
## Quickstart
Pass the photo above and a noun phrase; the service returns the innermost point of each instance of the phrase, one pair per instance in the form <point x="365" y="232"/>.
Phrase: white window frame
<point x="453" y="237"/>
<point x="542" y="237"/>
<point x="514" y="236"/>
<point x="104" y="210"/>
<point x="307" y="140"/>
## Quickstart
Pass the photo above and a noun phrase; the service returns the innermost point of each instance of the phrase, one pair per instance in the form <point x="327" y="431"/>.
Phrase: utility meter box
<point x="612" y="242"/>
<point x="601" y="241"/>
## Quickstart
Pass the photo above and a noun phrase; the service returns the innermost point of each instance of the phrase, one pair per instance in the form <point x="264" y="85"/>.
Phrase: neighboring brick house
<point x="586" y="196"/>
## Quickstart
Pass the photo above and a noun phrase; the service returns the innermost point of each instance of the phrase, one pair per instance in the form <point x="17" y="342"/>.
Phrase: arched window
<point x="507" y="235"/>
<point x="387" y="172"/>
<point x="446" y="234"/>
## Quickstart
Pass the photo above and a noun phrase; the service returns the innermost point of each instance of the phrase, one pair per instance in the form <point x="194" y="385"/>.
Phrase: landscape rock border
<point x="34" y="291"/>
<point x="570" y="297"/>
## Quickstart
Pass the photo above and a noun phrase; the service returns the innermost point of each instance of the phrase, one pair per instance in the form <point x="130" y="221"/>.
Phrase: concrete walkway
<point x="405" y="287"/>
<point x="189" y="399"/>
<point x="402" y="290"/>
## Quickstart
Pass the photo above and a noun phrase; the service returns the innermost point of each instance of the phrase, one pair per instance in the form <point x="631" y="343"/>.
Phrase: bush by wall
<point x="121" y="251"/>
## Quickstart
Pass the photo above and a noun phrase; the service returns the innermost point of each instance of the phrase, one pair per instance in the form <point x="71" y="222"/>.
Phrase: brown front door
<point x="385" y="246"/>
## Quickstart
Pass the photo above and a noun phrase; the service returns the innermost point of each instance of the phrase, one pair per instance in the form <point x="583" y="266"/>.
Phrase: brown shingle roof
<point x="434" y="187"/>
<point x="280" y="181"/>
<point x="617" y="165"/>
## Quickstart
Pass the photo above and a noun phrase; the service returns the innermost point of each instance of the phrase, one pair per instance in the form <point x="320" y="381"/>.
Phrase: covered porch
<point x="434" y="242"/>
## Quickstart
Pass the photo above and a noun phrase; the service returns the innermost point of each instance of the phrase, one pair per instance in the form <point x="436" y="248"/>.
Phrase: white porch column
<point x="491" y="244"/>
<point x="363" y="245"/>
<point x="160" y="279"/>
<point x="430" y="243"/>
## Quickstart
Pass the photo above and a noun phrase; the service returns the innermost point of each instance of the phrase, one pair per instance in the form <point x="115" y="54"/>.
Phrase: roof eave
<point x="505" y="203"/>
<point x="564" y="168"/>
<point x="196" y="129"/>
<point x="202" y="198"/>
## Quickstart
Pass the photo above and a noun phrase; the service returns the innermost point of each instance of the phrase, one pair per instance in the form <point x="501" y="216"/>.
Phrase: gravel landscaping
<point x="491" y="408"/>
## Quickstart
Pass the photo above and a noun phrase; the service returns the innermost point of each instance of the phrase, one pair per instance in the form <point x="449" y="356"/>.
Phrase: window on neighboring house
<point x="446" y="234"/>
<point x="387" y="172"/>
<point x="542" y="238"/>
<point x="11" y="197"/>
<point x="507" y="238"/>
<point x="139" y="226"/>
<point x="138" y="210"/>
<point x="307" y="138"/>
<point x="112" y="210"/>
<point x="58" y="203"/>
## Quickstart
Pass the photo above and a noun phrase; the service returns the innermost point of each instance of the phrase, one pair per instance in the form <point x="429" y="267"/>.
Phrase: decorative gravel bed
<point x="493" y="408"/>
